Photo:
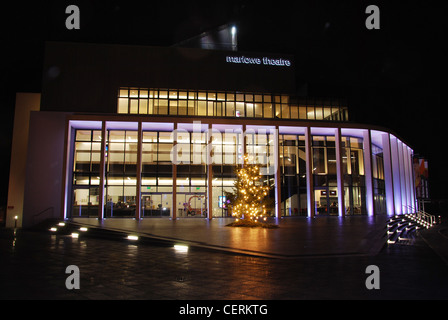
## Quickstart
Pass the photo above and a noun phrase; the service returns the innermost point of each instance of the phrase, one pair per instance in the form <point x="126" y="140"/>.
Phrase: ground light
<point x="180" y="248"/>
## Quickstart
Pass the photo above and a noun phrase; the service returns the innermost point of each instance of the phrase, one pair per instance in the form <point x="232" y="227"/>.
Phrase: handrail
<point x="424" y="215"/>
<point x="41" y="212"/>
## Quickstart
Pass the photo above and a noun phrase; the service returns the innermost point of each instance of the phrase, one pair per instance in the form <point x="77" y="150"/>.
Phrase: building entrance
<point x="192" y="205"/>
<point x="326" y="201"/>
<point x="85" y="201"/>
<point x="156" y="204"/>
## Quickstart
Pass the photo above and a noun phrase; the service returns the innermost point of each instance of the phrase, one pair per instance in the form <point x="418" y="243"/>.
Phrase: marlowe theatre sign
<point x="264" y="60"/>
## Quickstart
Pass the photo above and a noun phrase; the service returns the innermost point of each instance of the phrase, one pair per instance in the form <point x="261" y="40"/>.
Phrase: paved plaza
<point x="33" y="263"/>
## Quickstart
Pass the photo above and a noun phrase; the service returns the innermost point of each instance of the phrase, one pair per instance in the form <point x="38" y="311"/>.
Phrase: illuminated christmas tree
<point x="249" y="199"/>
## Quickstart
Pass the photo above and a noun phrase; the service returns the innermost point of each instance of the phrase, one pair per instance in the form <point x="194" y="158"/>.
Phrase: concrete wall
<point x="25" y="104"/>
<point x="44" y="167"/>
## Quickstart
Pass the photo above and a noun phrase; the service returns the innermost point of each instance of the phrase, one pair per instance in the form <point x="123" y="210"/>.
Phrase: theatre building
<point x="142" y="132"/>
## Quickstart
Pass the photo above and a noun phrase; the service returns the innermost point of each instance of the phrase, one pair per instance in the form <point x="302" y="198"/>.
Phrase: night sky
<point x="391" y="77"/>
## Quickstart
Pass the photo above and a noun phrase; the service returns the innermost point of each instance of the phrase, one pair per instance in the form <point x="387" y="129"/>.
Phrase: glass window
<point x="143" y="106"/>
<point x="285" y="111"/>
<point x="133" y="107"/>
<point x="230" y="109"/>
<point x="267" y="110"/>
<point x="123" y="105"/>
<point x="124" y="93"/>
<point x="294" y="112"/>
<point x="239" y="112"/>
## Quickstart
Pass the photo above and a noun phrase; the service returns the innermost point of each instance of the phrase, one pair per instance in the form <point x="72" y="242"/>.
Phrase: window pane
<point x="267" y="110"/>
<point x="133" y="106"/>
<point x="239" y="109"/>
<point x="285" y="111"/>
<point x="230" y="109"/>
<point x="123" y="105"/>
<point x="143" y="106"/>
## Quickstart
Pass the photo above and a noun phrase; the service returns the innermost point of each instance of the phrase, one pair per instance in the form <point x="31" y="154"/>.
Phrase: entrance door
<point x="192" y="205"/>
<point x="85" y="201"/>
<point x="156" y="204"/>
<point x="326" y="200"/>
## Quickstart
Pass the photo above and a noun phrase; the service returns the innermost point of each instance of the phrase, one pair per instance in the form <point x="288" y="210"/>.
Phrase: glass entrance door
<point x="156" y="204"/>
<point x="326" y="201"/>
<point x="85" y="201"/>
<point x="192" y="205"/>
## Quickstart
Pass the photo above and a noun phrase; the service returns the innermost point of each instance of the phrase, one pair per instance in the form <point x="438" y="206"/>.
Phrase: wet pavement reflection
<point x="33" y="266"/>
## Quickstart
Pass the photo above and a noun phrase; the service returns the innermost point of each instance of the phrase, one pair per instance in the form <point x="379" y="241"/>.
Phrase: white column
<point x="388" y="177"/>
<point x="209" y="173"/>
<point x="396" y="174"/>
<point x="101" y="196"/>
<point x="339" y="173"/>
<point x="367" y="145"/>
<point x="402" y="177"/>
<point x="278" y="196"/>
<point x="309" y="173"/>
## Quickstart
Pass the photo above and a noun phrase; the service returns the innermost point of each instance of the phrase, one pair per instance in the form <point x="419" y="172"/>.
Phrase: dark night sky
<point x="391" y="77"/>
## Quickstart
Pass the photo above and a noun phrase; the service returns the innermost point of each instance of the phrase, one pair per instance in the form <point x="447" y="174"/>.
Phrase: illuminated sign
<point x="222" y="201"/>
<point x="259" y="61"/>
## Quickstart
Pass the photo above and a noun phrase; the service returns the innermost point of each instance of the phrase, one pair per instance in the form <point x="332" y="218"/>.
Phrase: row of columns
<point x="398" y="173"/>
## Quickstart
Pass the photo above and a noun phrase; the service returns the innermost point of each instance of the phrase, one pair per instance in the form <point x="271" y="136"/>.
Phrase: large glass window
<point x="324" y="174"/>
<point x="157" y="174"/>
<point x="86" y="172"/>
<point x="354" y="178"/>
<point x="121" y="173"/>
<point x="379" y="188"/>
<point x="293" y="175"/>
<point x="225" y="104"/>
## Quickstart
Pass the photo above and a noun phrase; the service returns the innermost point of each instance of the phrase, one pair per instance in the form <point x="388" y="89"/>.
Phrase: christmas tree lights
<point x="250" y="202"/>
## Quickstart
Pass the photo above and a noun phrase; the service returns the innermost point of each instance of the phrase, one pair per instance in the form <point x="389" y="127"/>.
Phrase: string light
<point x="250" y="192"/>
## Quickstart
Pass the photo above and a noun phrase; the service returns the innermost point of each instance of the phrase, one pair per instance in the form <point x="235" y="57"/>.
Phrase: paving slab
<point x="294" y="237"/>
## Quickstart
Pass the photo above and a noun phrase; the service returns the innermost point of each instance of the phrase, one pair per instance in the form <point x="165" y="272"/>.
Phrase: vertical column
<point x="396" y="174"/>
<point x="409" y="207"/>
<point x="412" y="177"/>
<point x="209" y="173"/>
<point x="174" y="170"/>
<point x="102" y="171"/>
<point x="309" y="173"/>
<point x="388" y="178"/>
<point x="367" y="145"/>
<point x="404" y="208"/>
<point x="138" y="192"/>
<point x="339" y="173"/>
<point x="278" y="196"/>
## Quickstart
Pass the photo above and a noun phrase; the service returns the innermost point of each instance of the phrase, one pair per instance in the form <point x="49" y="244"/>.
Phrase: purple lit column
<point x="404" y="208"/>
<point x="278" y="198"/>
<point x="138" y="191"/>
<point x="174" y="166"/>
<point x="209" y="173"/>
<point x="367" y="145"/>
<point x="339" y="172"/>
<point x="102" y="171"/>
<point x="309" y="173"/>
<point x="388" y="178"/>
<point x="396" y="174"/>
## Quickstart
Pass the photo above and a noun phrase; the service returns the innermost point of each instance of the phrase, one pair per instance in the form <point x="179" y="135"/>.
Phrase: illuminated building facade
<point x="140" y="132"/>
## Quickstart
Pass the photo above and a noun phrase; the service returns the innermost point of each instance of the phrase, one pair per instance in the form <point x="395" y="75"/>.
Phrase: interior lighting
<point x="61" y="224"/>
<point x="53" y="229"/>
<point x="83" y="229"/>
<point x="133" y="238"/>
<point x="75" y="235"/>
